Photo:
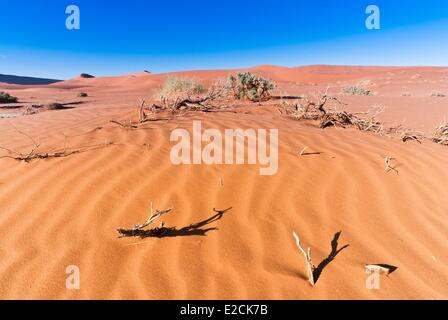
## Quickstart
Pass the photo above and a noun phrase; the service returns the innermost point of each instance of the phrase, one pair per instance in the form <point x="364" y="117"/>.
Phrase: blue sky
<point x="125" y="36"/>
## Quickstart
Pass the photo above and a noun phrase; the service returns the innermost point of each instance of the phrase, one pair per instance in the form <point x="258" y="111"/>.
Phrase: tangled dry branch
<point x="311" y="109"/>
<point x="185" y="101"/>
<point x="143" y="117"/>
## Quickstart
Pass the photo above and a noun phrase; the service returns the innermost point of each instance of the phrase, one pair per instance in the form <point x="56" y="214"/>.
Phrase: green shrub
<point x="356" y="90"/>
<point x="83" y="95"/>
<point x="177" y="86"/>
<point x="7" y="98"/>
<point x="246" y="85"/>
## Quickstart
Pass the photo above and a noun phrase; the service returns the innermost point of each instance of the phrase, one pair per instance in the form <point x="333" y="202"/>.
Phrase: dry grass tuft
<point x="356" y="90"/>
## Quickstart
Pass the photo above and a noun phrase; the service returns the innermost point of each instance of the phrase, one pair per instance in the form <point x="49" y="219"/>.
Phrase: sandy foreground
<point x="60" y="212"/>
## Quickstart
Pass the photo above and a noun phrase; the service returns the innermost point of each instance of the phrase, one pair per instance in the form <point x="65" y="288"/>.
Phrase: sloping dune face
<point x="56" y="213"/>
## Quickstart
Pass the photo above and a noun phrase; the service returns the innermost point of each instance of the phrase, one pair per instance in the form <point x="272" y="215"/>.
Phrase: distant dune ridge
<point x="337" y="196"/>
<point x="9" y="79"/>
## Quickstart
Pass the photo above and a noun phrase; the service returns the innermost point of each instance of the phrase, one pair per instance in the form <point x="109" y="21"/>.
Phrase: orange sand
<point x="60" y="212"/>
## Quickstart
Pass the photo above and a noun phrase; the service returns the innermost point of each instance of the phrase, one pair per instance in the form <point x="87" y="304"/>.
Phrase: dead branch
<point x="303" y="152"/>
<point x="154" y="216"/>
<point x="307" y="254"/>
<point x="412" y="136"/>
<point x="311" y="109"/>
<point x="34" y="155"/>
<point x="126" y="125"/>
<point x="137" y="229"/>
<point x="336" y="118"/>
<point x="197" y="229"/>
<point x="142" y="117"/>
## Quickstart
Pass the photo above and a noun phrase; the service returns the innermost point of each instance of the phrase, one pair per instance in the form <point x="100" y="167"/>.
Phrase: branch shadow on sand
<point x="334" y="252"/>
<point x="198" y="229"/>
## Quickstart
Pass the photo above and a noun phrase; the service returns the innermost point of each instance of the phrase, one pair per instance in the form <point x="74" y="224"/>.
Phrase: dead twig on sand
<point x="138" y="228"/>
<point x="314" y="272"/>
<point x="381" y="268"/>
<point x="34" y="155"/>
<point x="303" y="152"/>
<point x="389" y="167"/>
<point x="196" y="229"/>
<point x="307" y="254"/>
<point x="125" y="125"/>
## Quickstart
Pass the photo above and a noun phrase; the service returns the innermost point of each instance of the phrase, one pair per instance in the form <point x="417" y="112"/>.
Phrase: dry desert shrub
<point x="180" y="86"/>
<point x="357" y="89"/>
<point x="248" y="86"/>
<point x="83" y="95"/>
<point x="7" y="98"/>
<point x="187" y="94"/>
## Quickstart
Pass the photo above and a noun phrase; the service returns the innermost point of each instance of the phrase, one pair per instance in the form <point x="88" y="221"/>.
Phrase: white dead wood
<point x="155" y="214"/>
<point x="303" y="152"/>
<point x="307" y="254"/>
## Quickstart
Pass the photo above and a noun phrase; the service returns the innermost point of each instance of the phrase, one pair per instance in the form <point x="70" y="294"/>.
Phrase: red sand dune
<point x="60" y="212"/>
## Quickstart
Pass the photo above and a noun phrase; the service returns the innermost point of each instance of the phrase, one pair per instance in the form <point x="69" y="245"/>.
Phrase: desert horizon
<point x="65" y="209"/>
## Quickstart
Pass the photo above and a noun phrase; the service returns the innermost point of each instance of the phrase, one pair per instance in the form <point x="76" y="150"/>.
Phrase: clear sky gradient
<point x="160" y="36"/>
